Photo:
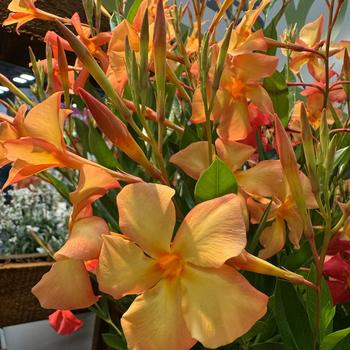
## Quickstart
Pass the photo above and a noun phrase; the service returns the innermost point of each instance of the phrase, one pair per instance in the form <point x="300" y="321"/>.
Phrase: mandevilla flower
<point x="186" y="293"/>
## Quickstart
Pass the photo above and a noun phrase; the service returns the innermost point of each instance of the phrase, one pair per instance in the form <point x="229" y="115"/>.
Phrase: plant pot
<point x="18" y="275"/>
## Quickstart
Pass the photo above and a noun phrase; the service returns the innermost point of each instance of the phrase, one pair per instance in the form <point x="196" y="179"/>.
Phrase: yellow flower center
<point x="171" y="265"/>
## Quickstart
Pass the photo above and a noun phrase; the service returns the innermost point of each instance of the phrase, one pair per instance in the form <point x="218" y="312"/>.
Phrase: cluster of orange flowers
<point x="188" y="286"/>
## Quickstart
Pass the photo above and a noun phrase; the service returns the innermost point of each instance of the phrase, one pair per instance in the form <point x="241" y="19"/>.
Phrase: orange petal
<point x="193" y="159"/>
<point x="212" y="232"/>
<point x="219" y="305"/>
<point x="234" y="119"/>
<point x="94" y="183"/>
<point x="85" y="239"/>
<point x="259" y="96"/>
<point x="254" y="66"/>
<point x="45" y="121"/>
<point x="154" y="320"/>
<point x="273" y="239"/>
<point x="147" y="216"/>
<point x="65" y="287"/>
<point x="233" y="153"/>
<point x="198" y="113"/>
<point x="33" y="151"/>
<point x="264" y="179"/>
<point x="295" y="226"/>
<point x="124" y="268"/>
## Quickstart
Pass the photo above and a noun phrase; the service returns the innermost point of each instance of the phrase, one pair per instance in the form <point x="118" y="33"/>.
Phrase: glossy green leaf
<point x="292" y="319"/>
<point x="114" y="341"/>
<point x="216" y="181"/>
<point x="133" y="10"/>
<point x="100" y="150"/>
<point x="336" y="340"/>
<point x="277" y="88"/>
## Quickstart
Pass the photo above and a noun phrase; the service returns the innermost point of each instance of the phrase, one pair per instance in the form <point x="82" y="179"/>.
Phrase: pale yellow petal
<point x="154" y="320"/>
<point x="212" y="232"/>
<point x="147" y="216"/>
<point x="124" y="268"/>
<point x="219" y="305"/>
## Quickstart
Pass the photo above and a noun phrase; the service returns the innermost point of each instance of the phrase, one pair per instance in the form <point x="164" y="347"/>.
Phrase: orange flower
<point x="35" y="143"/>
<point x="239" y="84"/>
<point x="315" y="105"/>
<point x="283" y="212"/>
<point x="67" y="285"/>
<point x="23" y="11"/>
<point x="194" y="159"/>
<point x="186" y="293"/>
<point x="93" y="44"/>
<point x="310" y="38"/>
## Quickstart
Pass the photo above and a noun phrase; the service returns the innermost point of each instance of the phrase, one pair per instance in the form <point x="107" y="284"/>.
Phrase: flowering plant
<point x="209" y="188"/>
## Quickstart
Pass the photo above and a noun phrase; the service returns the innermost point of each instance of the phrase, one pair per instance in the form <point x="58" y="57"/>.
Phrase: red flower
<point x="338" y="271"/>
<point x="64" y="322"/>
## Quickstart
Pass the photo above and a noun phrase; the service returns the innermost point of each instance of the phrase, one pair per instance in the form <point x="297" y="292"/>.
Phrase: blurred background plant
<point x="30" y="218"/>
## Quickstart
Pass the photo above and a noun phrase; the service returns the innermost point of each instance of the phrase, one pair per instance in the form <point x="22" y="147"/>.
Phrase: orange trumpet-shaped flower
<point x="239" y="85"/>
<point x="36" y="142"/>
<point x="186" y="293"/>
<point x="23" y="11"/>
<point x="67" y="285"/>
<point x="283" y="214"/>
<point x="309" y="37"/>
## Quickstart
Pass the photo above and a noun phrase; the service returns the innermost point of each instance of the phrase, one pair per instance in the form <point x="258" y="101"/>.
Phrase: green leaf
<point x="298" y="15"/>
<point x="267" y="346"/>
<point x="61" y="188"/>
<point x="336" y="340"/>
<point x="277" y="88"/>
<point x="115" y="20"/>
<point x="82" y="130"/>
<point x="291" y="318"/>
<point x="216" y="181"/>
<point x="327" y="308"/>
<point x="100" y="150"/>
<point x="130" y="8"/>
<point x="114" y="341"/>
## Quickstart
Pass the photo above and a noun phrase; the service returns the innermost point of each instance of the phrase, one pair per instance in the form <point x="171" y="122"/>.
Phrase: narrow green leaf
<point x="331" y="341"/>
<point x="216" y="181"/>
<point x="100" y="150"/>
<point x="114" y="341"/>
<point x="133" y="10"/>
<point x="292" y="319"/>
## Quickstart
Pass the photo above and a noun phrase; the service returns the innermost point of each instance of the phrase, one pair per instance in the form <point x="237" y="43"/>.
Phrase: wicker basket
<point x="18" y="274"/>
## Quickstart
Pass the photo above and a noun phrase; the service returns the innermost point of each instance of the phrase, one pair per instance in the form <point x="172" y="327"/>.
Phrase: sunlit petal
<point x="219" y="305"/>
<point x="124" y="268"/>
<point x="154" y="320"/>
<point x="147" y="216"/>
<point x="212" y="232"/>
